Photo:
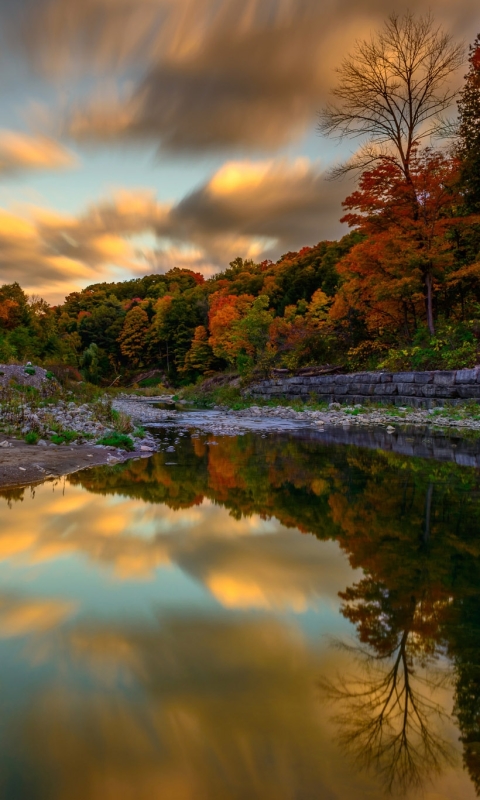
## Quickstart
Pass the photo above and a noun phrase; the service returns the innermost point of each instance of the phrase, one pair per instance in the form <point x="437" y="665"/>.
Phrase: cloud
<point x="252" y="209"/>
<point x="53" y="253"/>
<point x="203" y="76"/>
<point x="20" y="152"/>
<point x="259" y="210"/>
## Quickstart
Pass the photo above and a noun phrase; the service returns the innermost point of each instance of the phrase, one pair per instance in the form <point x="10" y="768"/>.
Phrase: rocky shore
<point x="42" y="440"/>
<point x="410" y="433"/>
<point x="230" y="422"/>
<point x="68" y="434"/>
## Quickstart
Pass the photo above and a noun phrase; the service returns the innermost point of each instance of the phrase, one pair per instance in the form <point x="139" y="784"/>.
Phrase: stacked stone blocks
<point x="418" y="389"/>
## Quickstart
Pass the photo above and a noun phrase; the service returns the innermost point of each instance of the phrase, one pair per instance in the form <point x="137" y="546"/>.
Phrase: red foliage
<point x="406" y="254"/>
<point x="475" y="59"/>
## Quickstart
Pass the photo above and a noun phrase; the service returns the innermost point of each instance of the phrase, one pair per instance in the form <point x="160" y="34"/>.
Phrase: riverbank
<point x="74" y="432"/>
<point x="462" y="419"/>
<point x="47" y="432"/>
<point x="22" y="464"/>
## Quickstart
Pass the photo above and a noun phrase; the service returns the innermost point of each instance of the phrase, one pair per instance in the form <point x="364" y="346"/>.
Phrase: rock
<point x="334" y="406"/>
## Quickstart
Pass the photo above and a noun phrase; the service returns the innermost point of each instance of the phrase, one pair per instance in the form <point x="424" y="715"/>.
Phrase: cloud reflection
<point x="246" y="563"/>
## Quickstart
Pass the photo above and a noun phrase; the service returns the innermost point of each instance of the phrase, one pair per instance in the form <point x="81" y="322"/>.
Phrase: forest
<point x="400" y="290"/>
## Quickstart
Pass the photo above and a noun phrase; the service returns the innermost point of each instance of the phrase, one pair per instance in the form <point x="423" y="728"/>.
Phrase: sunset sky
<point x="137" y="135"/>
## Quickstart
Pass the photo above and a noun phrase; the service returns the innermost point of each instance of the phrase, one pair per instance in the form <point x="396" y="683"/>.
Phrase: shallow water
<point x="258" y="618"/>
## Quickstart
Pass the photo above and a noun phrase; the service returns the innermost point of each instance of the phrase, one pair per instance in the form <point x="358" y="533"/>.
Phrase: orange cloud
<point x="252" y="209"/>
<point x="22" y="153"/>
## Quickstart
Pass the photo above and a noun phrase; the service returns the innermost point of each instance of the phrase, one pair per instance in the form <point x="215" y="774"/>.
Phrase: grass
<point x="121" y="421"/>
<point x="65" y="437"/>
<point x="32" y="437"/>
<point x="115" y="439"/>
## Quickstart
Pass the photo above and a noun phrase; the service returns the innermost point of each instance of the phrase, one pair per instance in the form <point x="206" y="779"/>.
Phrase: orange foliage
<point x="9" y="313"/>
<point x="407" y="254"/>
<point x="225" y="339"/>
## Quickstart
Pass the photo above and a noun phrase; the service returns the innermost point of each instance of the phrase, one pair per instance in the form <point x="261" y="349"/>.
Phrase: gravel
<point x="263" y="418"/>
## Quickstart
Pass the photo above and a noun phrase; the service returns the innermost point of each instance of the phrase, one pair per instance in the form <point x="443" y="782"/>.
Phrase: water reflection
<point x="388" y="715"/>
<point x="189" y="708"/>
<point x="183" y="655"/>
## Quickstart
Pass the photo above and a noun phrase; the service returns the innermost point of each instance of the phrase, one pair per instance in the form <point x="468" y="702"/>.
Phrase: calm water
<point x="262" y="618"/>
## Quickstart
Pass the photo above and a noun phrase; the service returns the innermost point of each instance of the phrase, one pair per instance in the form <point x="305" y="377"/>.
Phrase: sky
<point x="139" y="135"/>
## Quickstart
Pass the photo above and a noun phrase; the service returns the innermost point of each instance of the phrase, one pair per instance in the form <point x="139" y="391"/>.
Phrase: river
<point x="255" y="616"/>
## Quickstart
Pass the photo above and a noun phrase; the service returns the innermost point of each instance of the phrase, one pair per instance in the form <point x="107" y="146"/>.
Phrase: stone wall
<point x="418" y="389"/>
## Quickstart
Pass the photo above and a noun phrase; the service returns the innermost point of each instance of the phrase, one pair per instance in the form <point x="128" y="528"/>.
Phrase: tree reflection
<point x="464" y="649"/>
<point x="388" y="718"/>
<point x="388" y="721"/>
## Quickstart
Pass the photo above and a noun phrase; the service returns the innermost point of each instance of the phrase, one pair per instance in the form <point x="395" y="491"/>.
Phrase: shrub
<point x="65" y="437"/>
<point x="116" y="439"/>
<point x="30" y="371"/>
<point x="32" y="437"/>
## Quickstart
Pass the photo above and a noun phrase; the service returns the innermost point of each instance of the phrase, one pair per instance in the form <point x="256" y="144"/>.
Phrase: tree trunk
<point x="429" y="288"/>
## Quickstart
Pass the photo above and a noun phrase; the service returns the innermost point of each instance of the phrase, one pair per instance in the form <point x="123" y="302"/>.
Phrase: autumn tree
<point x="255" y="327"/>
<point x="200" y="358"/>
<point x="227" y="338"/>
<point x="392" y="89"/>
<point x="134" y="333"/>
<point x="408" y="249"/>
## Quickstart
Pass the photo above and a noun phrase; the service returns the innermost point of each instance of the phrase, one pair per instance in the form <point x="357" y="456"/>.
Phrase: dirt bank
<point x="22" y="464"/>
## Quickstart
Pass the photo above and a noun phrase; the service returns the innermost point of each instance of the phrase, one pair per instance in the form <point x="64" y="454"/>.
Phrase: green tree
<point x="469" y="131"/>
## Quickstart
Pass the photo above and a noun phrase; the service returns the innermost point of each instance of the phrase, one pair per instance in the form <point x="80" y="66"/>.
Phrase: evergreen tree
<point x="469" y="131"/>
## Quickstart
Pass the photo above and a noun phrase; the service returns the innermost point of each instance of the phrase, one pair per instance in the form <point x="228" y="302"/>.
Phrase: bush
<point x="32" y="437"/>
<point x="30" y="371"/>
<point x="65" y="437"/>
<point x="115" y="439"/>
<point x="453" y="347"/>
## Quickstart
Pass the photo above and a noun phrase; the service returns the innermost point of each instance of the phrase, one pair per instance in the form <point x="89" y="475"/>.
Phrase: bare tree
<point x="392" y="90"/>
